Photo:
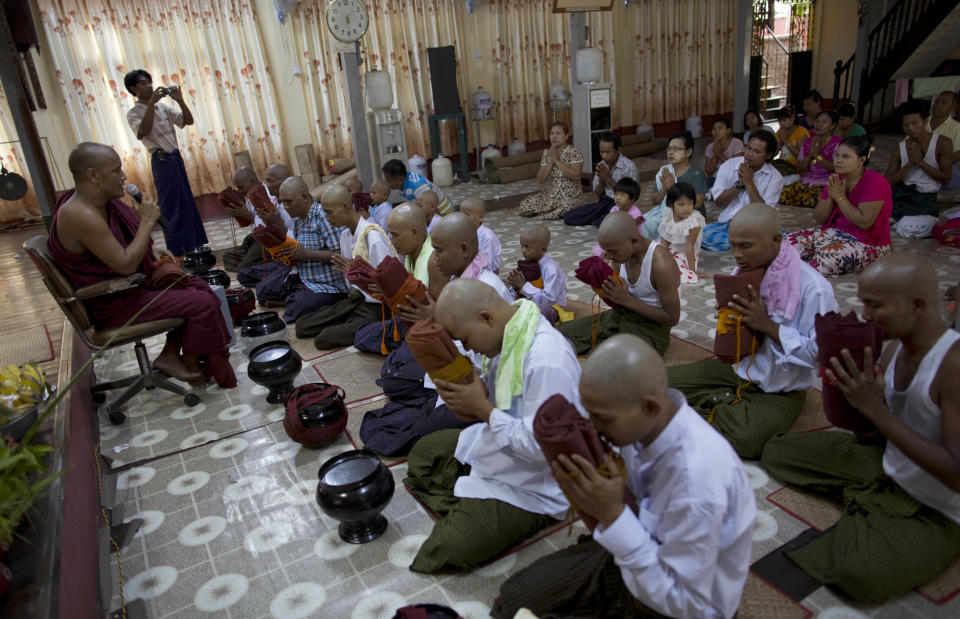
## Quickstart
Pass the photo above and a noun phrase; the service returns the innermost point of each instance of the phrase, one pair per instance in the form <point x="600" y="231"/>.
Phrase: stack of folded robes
<point x="834" y="333"/>
<point x="436" y="353"/>
<point x="231" y="198"/>
<point x="530" y="269"/>
<point x="734" y="340"/>
<point x="396" y="283"/>
<point x="360" y="274"/>
<point x="593" y="271"/>
<point x="274" y="239"/>
<point x="260" y="200"/>
<point x="559" y="428"/>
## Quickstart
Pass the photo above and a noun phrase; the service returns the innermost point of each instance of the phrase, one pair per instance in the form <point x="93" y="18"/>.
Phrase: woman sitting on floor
<point x="853" y="213"/>
<point x="724" y="146"/>
<point x="790" y="138"/>
<point x="679" y="169"/>
<point x="816" y="162"/>
<point x="560" y="168"/>
<point x="752" y="122"/>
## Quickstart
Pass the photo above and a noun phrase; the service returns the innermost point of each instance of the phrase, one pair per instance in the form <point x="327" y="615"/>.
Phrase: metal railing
<point x="842" y="73"/>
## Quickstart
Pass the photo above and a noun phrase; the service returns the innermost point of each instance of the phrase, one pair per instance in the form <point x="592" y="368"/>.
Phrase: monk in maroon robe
<point x="95" y="236"/>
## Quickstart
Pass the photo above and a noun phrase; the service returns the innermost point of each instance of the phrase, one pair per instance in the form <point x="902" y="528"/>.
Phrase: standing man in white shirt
<point x="154" y="124"/>
<point x="609" y="171"/>
<point x="688" y="551"/>
<point x="489" y="483"/>
<point x="742" y="181"/>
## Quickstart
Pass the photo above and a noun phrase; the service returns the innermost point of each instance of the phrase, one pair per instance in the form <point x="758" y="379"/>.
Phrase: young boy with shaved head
<point x="380" y="206"/>
<point x="688" y="553"/>
<point x="762" y="395"/>
<point x="475" y="209"/>
<point x="490" y="484"/>
<point x="901" y="524"/>
<point x="337" y="324"/>
<point x="648" y="295"/>
<point x="428" y="202"/>
<point x="534" y="242"/>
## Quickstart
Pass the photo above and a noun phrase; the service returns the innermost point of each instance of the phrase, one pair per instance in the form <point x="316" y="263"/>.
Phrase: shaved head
<point x="537" y="233"/>
<point x="406" y="214"/>
<point x="617" y="227"/>
<point x="473" y="205"/>
<point x="456" y="229"/>
<point x="903" y="274"/>
<point x="900" y="291"/>
<point x="757" y="216"/>
<point x="614" y="366"/>
<point x="755" y="236"/>
<point x="463" y="299"/>
<point x="245" y="179"/>
<point x="86" y="155"/>
<point x="276" y="174"/>
<point x="294" y="185"/>
<point x="353" y="185"/>
<point x="334" y="195"/>
<point x="407" y="226"/>
<point x="279" y="170"/>
<point x="428" y="201"/>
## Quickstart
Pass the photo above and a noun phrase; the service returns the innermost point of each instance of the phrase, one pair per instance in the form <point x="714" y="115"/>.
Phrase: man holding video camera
<point x="154" y="124"/>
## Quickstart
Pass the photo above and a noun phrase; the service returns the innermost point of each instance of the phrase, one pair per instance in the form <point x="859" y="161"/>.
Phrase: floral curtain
<point x="211" y="48"/>
<point x="397" y="39"/>
<point x="684" y="57"/>
<point x="11" y="155"/>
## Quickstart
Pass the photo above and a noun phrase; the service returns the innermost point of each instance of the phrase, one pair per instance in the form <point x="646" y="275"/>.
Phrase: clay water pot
<point x="198" y="260"/>
<point x="274" y="365"/>
<point x="216" y="277"/>
<point x="354" y="488"/>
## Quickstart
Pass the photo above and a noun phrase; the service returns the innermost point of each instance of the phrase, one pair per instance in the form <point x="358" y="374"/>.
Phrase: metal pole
<point x="361" y="145"/>
<point x="37" y="167"/>
<point x="741" y="76"/>
<point x="578" y="40"/>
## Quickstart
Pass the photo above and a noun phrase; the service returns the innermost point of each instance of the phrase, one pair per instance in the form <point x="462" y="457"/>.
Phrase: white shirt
<point x="490" y="245"/>
<point x="432" y="223"/>
<point x="623" y="168"/>
<point x="258" y="221"/>
<point x="379" y="214"/>
<point x="792" y="365"/>
<point x="162" y="134"/>
<point x="688" y="552"/>
<point x="643" y="289"/>
<point x="917" y="176"/>
<point x="769" y="184"/>
<point x="489" y="278"/>
<point x="506" y="462"/>
<point x="378" y="245"/>
<point x="554" y="285"/>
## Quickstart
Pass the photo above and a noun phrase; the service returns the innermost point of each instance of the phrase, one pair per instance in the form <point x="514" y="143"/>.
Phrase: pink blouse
<point x="817" y="174"/>
<point x="872" y="187"/>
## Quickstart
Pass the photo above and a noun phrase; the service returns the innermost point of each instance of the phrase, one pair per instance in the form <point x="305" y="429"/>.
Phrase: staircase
<point x="895" y="38"/>
<point x="776" y="71"/>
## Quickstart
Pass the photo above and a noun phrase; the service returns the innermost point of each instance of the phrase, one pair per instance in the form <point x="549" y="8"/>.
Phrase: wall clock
<point x="347" y="19"/>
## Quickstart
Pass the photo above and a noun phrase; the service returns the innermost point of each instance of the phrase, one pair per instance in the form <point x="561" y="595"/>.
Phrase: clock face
<point x="347" y="19"/>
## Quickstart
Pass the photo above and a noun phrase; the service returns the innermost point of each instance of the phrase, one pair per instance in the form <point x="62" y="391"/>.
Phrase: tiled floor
<point x="231" y="526"/>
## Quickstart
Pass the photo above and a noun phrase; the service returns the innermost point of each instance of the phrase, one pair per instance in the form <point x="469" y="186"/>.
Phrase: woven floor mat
<point x="26" y="345"/>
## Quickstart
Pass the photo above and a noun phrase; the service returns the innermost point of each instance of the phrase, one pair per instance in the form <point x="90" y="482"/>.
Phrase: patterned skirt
<point x="801" y="194"/>
<point x="687" y="275"/>
<point x="834" y="252"/>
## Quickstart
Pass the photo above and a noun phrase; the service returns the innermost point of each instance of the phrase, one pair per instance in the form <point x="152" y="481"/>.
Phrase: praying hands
<point x="515" y="279"/>
<point x="416" y="311"/>
<point x="340" y="263"/>
<point x="836" y="188"/>
<point x="468" y="402"/>
<point x="755" y="315"/>
<point x="593" y="494"/>
<point x="862" y="389"/>
<point x="667" y="180"/>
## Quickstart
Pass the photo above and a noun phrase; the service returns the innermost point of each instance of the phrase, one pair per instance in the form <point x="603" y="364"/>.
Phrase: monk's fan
<point x="396" y="283"/>
<point x="167" y="272"/>
<point x="274" y="239"/>
<point x="593" y="271"/>
<point x="231" y="198"/>
<point x="360" y="274"/>
<point x="530" y="269"/>
<point x="260" y="199"/>
<point x="834" y="333"/>
<point x="734" y="340"/>
<point x="436" y="353"/>
<point x="559" y="428"/>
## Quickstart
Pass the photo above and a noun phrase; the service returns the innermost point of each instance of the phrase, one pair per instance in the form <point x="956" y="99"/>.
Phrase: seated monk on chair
<point x="761" y="396"/>
<point x="686" y="553"/>
<point x="901" y="524"/>
<point x="95" y="236"/>
<point x="648" y="292"/>
<point x="490" y="484"/>
<point x="337" y="324"/>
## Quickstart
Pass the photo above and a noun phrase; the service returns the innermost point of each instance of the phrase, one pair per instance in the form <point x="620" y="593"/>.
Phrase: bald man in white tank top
<point x="901" y="523"/>
<point x="648" y="293"/>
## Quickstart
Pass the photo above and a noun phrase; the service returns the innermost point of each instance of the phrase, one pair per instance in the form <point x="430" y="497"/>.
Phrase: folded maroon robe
<point x="361" y="203"/>
<point x="436" y="353"/>
<point x="559" y="428"/>
<point x="360" y="274"/>
<point x="396" y="283"/>
<point x="834" y="333"/>
<point x="593" y="271"/>
<point x="260" y="199"/>
<point x="725" y="344"/>
<point x="530" y="269"/>
<point x="231" y="198"/>
<point x="167" y="272"/>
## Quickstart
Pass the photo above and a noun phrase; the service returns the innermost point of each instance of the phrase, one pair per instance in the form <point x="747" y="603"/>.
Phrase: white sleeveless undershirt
<point x="643" y="288"/>
<point x="915" y="408"/>
<point x="917" y="176"/>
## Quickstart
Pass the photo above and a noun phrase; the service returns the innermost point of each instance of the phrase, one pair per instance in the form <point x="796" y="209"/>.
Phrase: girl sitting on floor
<point x="681" y="230"/>
<point x="625" y="195"/>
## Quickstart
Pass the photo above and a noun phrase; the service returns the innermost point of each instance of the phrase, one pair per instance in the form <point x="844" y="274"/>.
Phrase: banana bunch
<point x="21" y="387"/>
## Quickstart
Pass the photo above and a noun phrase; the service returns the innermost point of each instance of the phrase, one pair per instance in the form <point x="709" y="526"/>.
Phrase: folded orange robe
<point x="436" y="353"/>
<point x="274" y="238"/>
<point x="734" y="341"/>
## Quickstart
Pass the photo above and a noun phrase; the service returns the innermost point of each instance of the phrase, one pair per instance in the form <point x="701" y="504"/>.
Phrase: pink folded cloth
<point x="479" y="263"/>
<point x="782" y="285"/>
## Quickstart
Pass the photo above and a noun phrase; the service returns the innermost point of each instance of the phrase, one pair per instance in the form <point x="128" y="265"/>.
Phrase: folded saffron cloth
<point x="559" y="428"/>
<point x="725" y="344"/>
<point x="231" y="198"/>
<point x="166" y="272"/>
<point x="530" y="269"/>
<point x="834" y="333"/>
<point x="260" y="199"/>
<point x="396" y="283"/>
<point x="593" y="271"/>
<point x="436" y="353"/>
<point x="360" y="274"/>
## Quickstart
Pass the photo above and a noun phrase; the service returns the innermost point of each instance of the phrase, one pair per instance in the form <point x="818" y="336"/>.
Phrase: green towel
<point x="517" y="340"/>
<point x="420" y="270"/>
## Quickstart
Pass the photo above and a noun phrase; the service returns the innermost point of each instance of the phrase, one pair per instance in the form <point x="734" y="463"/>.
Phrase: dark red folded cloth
<point x="270" y="235"/>
<point x="436" y="353"/>
<point x="361" y="202"/>
<point x="166" y="272"/>
<point x="260" y="199"/>
<point x="396" y="283"/>
<point x="725" y="342"/>
<point x="834" y="333"/>
<point x="530" y="269"/>
<point x="360" y="274"/>
<point x="559" y="428"/>
<point x="231" y="198"/>
<point x="593" y="271"/>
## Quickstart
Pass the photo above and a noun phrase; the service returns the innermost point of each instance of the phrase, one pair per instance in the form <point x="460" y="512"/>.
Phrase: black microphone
<point x="134" y="192"/>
